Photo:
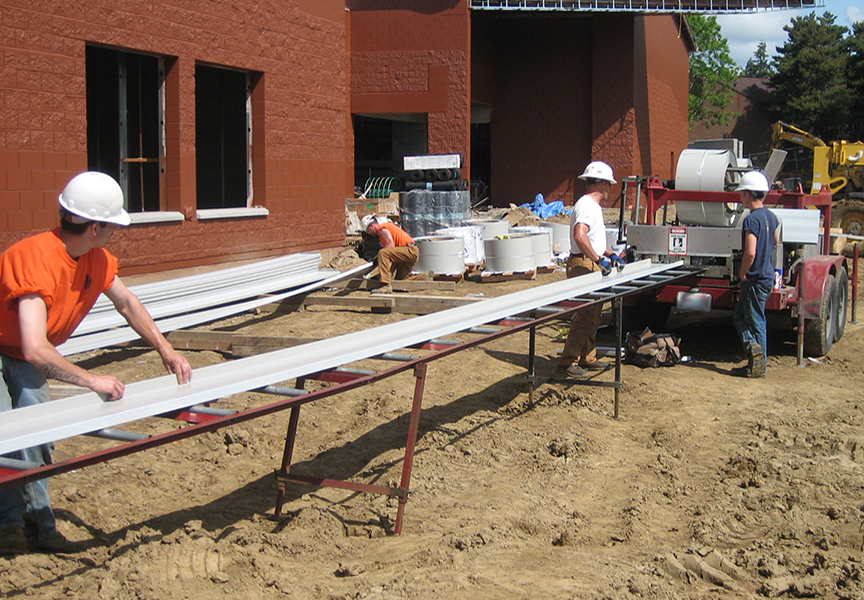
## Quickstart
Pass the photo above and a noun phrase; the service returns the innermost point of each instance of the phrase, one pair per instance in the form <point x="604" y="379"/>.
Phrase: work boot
<point x="424" y="276"/>
<point x="13" y="541"/>
<point x="574" y="371"/>
<point x="384" y="289"/>
<point x="756" y="360"/>
<point x="57" y="543"/>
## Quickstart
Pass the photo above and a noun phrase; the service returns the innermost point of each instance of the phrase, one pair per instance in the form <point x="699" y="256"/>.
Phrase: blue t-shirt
<point x="762" y="223"/>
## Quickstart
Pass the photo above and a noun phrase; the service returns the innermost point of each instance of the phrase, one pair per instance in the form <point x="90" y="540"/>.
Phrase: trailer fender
<point x="817" y="272"/>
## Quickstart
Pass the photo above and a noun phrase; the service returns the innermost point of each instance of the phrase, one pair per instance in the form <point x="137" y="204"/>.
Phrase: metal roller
<point x="708" y="171"/>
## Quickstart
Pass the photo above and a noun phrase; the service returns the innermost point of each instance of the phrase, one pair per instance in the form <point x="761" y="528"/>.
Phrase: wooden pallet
<point x="495" y="277"/>
<point x="546" y="269"/>
<point x="454" y="277"/>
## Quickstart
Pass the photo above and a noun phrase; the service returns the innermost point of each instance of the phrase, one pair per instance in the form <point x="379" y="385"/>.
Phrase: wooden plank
<point x="384" y="301"/>
<point x="409" y="285"/>
<point x="422" y="305"/>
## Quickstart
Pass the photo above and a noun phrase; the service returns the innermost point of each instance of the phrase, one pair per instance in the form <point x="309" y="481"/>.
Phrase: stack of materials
<point x="439" y="180"/>
<point x="423" y="212"/>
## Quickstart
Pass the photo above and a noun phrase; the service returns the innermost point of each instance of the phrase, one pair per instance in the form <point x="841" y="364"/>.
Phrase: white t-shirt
<point x="590" y="213"/>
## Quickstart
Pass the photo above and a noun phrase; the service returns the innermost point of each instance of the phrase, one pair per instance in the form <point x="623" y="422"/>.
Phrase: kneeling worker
<point x="48" y="284"/>
<point x="398" y="252"/>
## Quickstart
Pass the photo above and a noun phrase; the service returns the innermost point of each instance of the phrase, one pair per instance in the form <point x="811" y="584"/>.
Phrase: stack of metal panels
<point x="196" y="299"/>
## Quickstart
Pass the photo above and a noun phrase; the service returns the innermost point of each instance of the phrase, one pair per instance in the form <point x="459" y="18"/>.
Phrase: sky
<point x="745" y="31"/>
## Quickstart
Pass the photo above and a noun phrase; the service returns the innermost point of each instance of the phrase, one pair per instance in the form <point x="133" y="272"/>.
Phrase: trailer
<point x="811" y="285"/>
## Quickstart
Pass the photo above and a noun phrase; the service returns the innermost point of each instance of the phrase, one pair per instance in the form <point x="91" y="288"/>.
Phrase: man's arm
<point x="38" y="351"/>
<point x="749" y="254"/>
<point x="130" y="307"/>
<point x="580" y="231"/>
<point x="386" y="238"/>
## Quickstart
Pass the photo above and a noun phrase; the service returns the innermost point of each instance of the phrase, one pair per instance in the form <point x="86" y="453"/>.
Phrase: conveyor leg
<point x="287" y="454"/>
<point x="411" y="443"/>
<point x="619" y="334"/>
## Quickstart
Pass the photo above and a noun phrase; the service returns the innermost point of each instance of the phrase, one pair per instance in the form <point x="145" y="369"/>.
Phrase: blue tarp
<point x="543" y="210"/>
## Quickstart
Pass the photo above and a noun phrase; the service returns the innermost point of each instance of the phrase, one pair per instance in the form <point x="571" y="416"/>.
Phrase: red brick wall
<point x="414" y="59"/>
<point x="301" y="153"/>
<point x="566" y="91"/>
<point x="668" y="95"/>
<point x="541" y="116"/>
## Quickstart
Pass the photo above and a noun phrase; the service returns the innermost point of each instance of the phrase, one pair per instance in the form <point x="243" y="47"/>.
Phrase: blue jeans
<point x="749" y="316"/>
<point x="27" y="506"/>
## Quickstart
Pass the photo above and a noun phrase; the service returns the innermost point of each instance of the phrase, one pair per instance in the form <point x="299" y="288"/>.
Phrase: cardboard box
<point x="374" y="206"/>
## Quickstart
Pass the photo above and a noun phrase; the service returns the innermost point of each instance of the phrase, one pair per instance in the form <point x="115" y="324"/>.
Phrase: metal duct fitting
<point x="472" y="236"/>
<point x="513" y="254"/>
<point x="560" y="236"/>
<point x="708" y="171"/>
<point x="541" y="239"/>
<point x="441" y="255"/>
<point x="491" y="227"/>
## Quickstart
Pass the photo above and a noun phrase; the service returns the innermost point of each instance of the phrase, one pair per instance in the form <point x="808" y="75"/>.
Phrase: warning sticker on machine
<point x="678" y="241"/>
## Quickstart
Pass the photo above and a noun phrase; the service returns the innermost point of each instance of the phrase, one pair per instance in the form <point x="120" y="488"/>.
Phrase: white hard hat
<point x="95" y="196"/>
<point x="366" y="221"/>
<point x="753" y="181"/>
<point x="598" y="170"/>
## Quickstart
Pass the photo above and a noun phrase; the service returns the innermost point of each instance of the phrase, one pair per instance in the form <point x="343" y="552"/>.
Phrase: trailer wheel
<point x="819" y="332"/>
<point x="841" y="281"/>
<point x="848" y="215"/>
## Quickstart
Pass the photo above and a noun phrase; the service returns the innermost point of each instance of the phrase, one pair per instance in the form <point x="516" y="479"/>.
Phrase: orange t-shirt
<point x="40" y="265"/>
<point x="400" y="238"/>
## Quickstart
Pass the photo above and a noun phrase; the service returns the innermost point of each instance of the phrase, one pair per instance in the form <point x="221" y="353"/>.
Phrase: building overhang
<point x="645" y="6"/>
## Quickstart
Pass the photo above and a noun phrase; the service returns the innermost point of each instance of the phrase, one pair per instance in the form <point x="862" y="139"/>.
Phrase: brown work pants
<point x="399" y="260"/>
<point x="581" y="345"/>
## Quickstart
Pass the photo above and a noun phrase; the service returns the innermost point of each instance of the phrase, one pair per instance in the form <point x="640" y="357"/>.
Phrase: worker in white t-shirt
<point x="588" y="253"/>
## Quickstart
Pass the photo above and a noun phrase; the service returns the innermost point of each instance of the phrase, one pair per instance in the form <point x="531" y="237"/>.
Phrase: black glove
<point x="605" y="265"/>
<point x="618" y="262"/>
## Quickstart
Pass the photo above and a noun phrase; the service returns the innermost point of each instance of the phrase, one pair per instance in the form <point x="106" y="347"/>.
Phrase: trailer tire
<point x="848" y="215"/>
<point x="819" y="332"/>
<point x="841" y="281"/>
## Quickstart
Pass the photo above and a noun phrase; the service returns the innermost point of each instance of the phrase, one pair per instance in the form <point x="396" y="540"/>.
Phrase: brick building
<point x="239" y="129"/>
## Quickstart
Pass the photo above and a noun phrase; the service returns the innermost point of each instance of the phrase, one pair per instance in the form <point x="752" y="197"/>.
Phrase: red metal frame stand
<point x="284" y="475"/>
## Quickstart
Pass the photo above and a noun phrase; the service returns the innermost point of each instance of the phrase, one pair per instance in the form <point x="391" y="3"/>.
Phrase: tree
<point x="855" y="78"/>
<point x="712" y="73"/>
<point x="810" y="82"/>
<point x="759" y="66"/>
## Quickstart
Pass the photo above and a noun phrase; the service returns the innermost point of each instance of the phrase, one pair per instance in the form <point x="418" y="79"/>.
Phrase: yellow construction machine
<point x="838" y="166"/>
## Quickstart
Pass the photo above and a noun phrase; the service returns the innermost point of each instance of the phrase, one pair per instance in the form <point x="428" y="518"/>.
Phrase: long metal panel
<point x="103" y="339"/>
<point x="77" y="415"/>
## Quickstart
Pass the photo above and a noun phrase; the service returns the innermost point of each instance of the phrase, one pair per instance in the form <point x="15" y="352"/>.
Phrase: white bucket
<point x="541" y="238"/>
<point x="473" y="242"/>
<point x="491" y="227"/>
<point x="560" y="236"/>
<point x="442" y="255"/>
<point x="514" y="254"/>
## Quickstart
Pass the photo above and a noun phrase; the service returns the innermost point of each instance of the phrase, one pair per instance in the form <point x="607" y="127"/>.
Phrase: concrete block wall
<point x="297" y="50"/>
<point x="415" y="57"/>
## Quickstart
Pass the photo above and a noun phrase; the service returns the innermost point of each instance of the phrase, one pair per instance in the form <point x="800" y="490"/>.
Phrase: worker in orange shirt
<point x="48" y="284"/>
<point x="398" y="253"/>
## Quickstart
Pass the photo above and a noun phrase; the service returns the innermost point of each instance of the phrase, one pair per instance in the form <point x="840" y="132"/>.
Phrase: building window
<point x="125" y="123"/>
<point x="223" y="138"/>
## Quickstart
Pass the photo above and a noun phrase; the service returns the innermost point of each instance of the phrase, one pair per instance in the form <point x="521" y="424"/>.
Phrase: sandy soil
<point x="707" y="486"/>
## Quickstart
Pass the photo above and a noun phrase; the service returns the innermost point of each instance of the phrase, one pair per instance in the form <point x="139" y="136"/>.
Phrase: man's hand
<point x="176" y="364"/>
<point x="108" y="385"/>
<point x="617" y="262"/>
<point x="605" y="265"/>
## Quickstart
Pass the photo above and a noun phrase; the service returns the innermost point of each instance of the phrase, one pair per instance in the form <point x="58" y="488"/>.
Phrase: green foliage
<point x="811" y="85"/>
<point x="855" y="79"/>
<point x="712" y="73"/>
<point x="759" y="65"/>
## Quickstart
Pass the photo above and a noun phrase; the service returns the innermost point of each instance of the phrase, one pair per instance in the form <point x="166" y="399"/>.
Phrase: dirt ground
<point x="707" y="486"/>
